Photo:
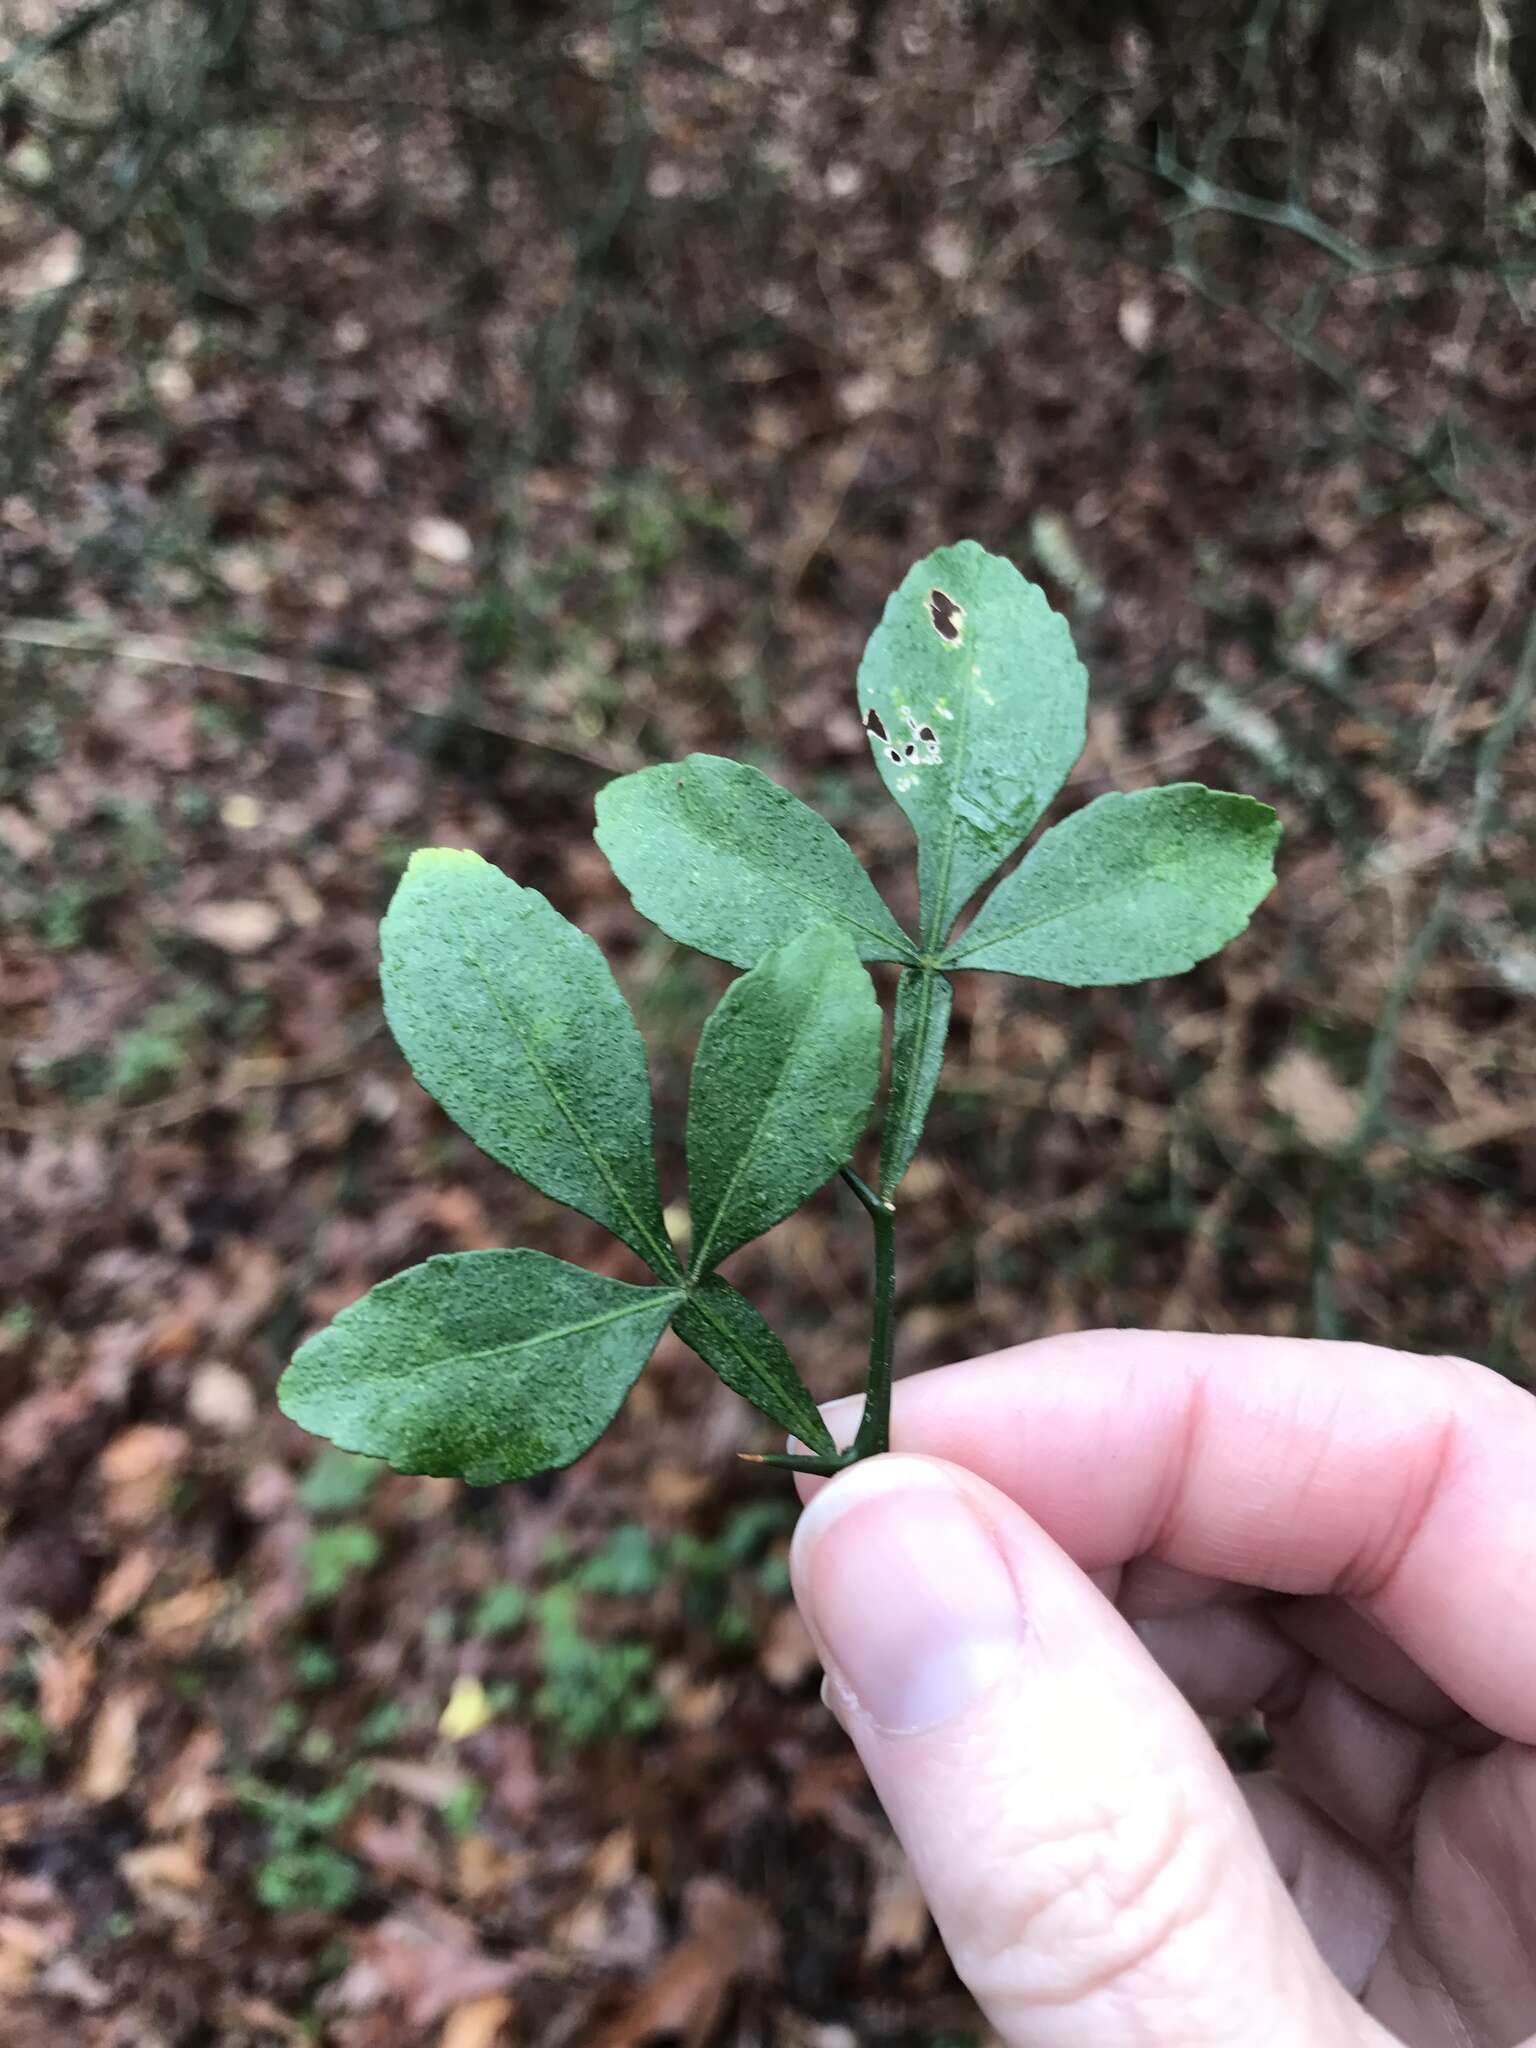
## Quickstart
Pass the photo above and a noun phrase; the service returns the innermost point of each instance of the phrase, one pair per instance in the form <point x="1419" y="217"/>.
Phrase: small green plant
<point x="334" y="1557"/>
<point x="303" y="1871"/>
<point x="592" y="1687"/>
<point x="25" y="1734"/>
<point x="494" y="1365"/>
<point x="338" y="1483"/>
<point x="500" y="1611"/>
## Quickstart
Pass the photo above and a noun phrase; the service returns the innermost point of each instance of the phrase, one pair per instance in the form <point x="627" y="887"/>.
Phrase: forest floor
<point x="408" y="431"/>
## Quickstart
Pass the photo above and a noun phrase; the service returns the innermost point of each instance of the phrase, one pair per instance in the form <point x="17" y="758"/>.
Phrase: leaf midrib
<point x="664" y="1260"/>
<point x="697" y="1267"/>
<point x="742" y="852"/>
<point x="698" y="1301"/>
<point x="931" y="977"/>
<point x="653" y="1297"/>
<point x="933" y="933"/>
<point x="956" y="956"/>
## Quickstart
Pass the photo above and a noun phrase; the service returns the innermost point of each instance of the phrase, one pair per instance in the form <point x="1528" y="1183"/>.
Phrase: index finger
<point x="1405" y="1484"/>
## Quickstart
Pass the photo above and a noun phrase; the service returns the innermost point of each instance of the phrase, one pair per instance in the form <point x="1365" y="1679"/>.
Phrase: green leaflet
<point x="510" y="1017"/>
<point x="975" y="704"/>
<point x="738" y="1346"/>
<point x="782" y="1086"/>
<point x="726" y="861"/>
<point x="1131" y="887"/>
<point x="478" y="1365"/>
<point x="918" y="1031"/>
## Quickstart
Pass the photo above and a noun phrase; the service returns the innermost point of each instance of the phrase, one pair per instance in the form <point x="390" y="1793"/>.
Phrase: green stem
<point x="875" y="1424"/>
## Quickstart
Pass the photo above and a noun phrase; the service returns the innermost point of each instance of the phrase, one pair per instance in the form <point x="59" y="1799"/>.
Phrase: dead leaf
<point x="431" y="1785"/>
<point x="480" y="2024"/>
<point x="621" y="1928"/>
<point x="1135" y="319"/>
<point x="65" y="1674"/>
<point x="166" y="1877"/>
<point x="240" y="925"/>
<point x="827" y="1789"/>
<point x="1304" y="1088"/>
<point x="27" y="1941"/>
<point x="481" y="1871"/>
<point x="673" y="1490"/>
<point x="730" y="1937"/>
<point x="401" y="1849"/>
<point x="178" y="1624"/>
<point x="48" y="267"/>
<point x="110" y="1757"/>
<point x="139" y="1469"/>
<point x="188" y="1789"/>
<point x="423" y="1964"/>
<point x="613" y="1860"/>
<point x="242" y="570"/>
<point x="221" y="1399"/>
<point x="442" y="540"/>
<point x="293" y="892"/>
<point x="694" y="1706"/>
<point x="262" y="2015"/>
<point x="788" y="1656"/>
<point x="468" y="1709"/>
<point x="126" y="1584"/>
<point x="67" y="1977"/>
<point x="898" y="1912"/>
<point x="26" y="839"/>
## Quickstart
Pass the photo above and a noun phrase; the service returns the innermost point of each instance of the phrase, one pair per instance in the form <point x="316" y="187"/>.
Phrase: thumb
<point x="1092" y="1868"/>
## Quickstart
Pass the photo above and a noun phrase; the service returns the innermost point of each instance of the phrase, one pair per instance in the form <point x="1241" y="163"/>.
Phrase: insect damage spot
<point x="924" y="745"/>
<point x="947" y="616"/>
<point x="873" y="723"/>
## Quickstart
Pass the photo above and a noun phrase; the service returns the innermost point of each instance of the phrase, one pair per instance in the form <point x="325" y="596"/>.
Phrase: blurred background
<point x="418" y="411"/>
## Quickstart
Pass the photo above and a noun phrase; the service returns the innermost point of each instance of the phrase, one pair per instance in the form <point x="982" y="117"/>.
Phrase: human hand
<point x="1092" y="1526"/>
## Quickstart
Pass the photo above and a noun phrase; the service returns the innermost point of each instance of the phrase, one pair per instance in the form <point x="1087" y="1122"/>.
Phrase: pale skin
<point x="1078" y="1548"/>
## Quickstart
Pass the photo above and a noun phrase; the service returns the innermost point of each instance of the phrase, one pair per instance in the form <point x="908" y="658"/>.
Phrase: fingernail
<point x="912" y="1607"/>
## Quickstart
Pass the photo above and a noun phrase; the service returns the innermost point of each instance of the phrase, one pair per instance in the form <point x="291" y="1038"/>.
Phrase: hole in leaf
<point x="873" y="723"/>
<point x="946" y="615"/>
<point x="923" y="748"/>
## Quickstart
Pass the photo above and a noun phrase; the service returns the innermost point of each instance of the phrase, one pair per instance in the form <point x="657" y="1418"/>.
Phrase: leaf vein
<point x="934" y="919"/>
<point x="896" y="936"/>
<point x="807" y="1018"/>
<point x="957" y="954"/>
<point x="650" y="1300"/>
<point x="663" y="1259"/>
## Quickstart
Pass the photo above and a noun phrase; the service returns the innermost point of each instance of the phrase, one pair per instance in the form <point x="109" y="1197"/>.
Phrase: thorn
<point x="790" y="1461"/>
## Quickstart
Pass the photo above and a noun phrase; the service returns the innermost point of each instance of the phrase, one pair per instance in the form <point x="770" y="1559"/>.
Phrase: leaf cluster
<point x="495" y="1365"/>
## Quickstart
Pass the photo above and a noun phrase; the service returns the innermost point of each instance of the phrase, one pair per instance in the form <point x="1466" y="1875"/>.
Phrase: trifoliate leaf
<point x="1131" y="887"/>
<point x="918" y="1031"/>
<point x="731" y="1337"/>
<point x="727" y="861"/>
<point x="478" y="1365"/>
<point x="782" y="1087"/>
<point x="975" y="704"/>
<point x="511" y="1018"/>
